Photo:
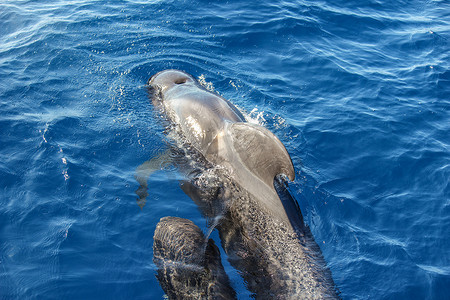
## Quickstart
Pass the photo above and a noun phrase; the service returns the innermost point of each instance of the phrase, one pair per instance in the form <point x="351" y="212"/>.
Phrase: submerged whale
<point x="246" y="168"/>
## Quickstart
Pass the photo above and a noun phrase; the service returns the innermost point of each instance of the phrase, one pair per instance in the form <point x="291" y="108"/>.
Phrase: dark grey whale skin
<point x="189" y="266"/>
<point x="245" y="196"/>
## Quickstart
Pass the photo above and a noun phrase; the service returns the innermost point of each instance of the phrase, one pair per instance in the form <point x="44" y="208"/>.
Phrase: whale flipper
<point x="143" y="172"/>
<point x="261" y="151"/>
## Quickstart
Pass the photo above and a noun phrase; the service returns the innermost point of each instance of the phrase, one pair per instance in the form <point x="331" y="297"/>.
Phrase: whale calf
<point x="189" y="266"/>
<point x="246" y="168"/>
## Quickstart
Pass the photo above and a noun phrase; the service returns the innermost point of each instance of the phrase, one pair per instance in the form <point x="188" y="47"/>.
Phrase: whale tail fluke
<point x="261" y="151"/>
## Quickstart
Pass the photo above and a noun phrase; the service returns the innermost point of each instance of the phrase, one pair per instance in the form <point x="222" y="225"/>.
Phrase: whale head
<point x="168" y="79"/>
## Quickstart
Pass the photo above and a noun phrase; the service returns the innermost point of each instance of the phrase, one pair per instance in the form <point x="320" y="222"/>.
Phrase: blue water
<point x="358" y="91"/>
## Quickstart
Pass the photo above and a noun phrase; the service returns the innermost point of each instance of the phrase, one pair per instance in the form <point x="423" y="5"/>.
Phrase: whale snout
<point x="169" y="78"/>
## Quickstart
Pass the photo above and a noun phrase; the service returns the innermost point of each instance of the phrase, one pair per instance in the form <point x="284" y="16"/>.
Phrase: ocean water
<point x="358" y="91"/>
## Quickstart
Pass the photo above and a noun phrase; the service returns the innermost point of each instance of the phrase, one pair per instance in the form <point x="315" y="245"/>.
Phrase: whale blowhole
<point x="180" y="81"/>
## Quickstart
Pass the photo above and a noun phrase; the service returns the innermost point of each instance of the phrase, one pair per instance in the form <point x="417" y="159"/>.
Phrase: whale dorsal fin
<point x="261" y="151"/>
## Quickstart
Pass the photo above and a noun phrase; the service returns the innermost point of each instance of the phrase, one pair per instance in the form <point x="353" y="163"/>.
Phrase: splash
<point x="255" y="117"/>
<point x="64" y="161"/>
<point x="199" y="133"/>
<point x="215" y="222"/>
<point x="208" y="85"/>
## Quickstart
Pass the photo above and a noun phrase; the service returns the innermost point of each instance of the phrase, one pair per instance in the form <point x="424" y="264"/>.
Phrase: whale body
<point x="246" y="168"/>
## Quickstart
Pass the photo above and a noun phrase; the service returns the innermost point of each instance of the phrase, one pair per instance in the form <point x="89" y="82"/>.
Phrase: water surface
<point x="358" y="91"/>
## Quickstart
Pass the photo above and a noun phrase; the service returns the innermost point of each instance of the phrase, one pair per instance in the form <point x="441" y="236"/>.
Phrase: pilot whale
<point x="247" y="168"/>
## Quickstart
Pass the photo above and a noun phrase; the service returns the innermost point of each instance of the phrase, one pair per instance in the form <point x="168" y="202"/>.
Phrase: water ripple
<point x="357" y="91"/>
